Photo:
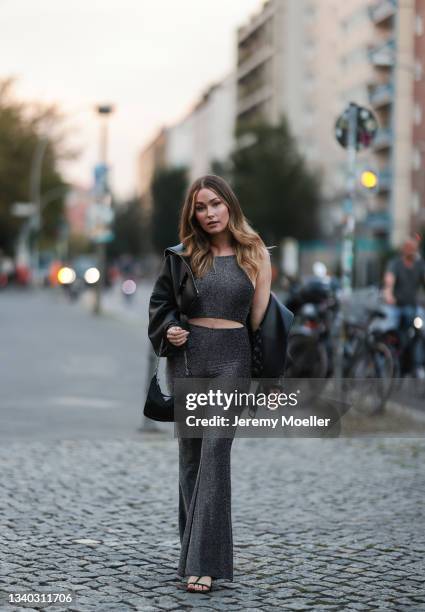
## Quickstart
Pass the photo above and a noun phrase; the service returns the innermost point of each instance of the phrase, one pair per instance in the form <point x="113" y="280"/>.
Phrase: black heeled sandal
<point x="207" y="590"/>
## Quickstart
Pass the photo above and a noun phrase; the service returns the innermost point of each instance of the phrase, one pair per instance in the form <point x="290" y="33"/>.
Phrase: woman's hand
<point x="177" y="335"/>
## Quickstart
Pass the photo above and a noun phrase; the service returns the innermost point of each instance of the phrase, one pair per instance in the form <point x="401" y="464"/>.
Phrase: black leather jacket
<point x="174" y="291"/>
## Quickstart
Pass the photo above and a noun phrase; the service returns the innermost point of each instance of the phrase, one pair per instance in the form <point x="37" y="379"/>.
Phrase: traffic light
<point x="369" y="179"/>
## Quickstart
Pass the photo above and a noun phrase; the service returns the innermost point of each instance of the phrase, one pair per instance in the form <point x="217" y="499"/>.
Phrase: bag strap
<point x="187" y="371"/>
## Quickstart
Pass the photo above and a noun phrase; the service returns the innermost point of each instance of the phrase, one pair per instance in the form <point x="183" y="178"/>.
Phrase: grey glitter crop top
<point x="225" y="291"/>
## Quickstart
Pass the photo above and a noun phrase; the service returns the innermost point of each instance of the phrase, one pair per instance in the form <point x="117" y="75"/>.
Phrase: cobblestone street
<point x="318" y="524"/>
<point x="89" y="502"/>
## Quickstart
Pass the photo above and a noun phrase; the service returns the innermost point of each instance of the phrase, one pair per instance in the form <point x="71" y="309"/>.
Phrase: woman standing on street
<point x="231" y="268"/>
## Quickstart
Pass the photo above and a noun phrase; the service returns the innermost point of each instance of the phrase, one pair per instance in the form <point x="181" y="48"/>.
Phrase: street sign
<point x="98" y="220"/>
<point x="23" y="209"/>
<point x="102" y="237"/>
<point x="101" y="180"/>
<point x="366" y="127"/>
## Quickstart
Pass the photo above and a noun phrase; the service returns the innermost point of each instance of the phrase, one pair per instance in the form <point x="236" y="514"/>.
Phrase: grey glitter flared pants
<point x="205" y="522"/>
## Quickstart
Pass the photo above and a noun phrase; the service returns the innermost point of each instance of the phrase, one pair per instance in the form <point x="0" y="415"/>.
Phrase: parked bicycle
<point x="368" y="365"/>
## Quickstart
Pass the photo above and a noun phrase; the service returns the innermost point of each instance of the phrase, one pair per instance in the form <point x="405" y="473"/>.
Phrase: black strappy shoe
<point x="207" y="590"/>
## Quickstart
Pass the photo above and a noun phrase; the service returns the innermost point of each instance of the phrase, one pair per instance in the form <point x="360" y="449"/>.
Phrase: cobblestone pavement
<point x="319" y="524"/>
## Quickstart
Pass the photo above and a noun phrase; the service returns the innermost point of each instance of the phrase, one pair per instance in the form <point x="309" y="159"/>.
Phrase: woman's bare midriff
<point x="215" y="323"/>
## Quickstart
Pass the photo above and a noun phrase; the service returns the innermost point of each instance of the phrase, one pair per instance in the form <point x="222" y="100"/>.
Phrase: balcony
<point x="260" y="56"/>
<point x="247" y="87"/>
<point x="382" y="11"/>
<point x="383" y="139"/>
<point x="383" y="55"/>
<point x="382" y="95"/>
<point x="254" y="99"/>
<point x="256" y="22"/>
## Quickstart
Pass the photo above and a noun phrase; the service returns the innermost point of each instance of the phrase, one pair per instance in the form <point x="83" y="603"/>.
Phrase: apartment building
<point x="392" y="100"/>
<point x="151" y="158"/>
<point x="308" y="59"/>
<point x="204" y="135"/>
<point x="287" y="64"/>
<point x="383" y="55"/>
<point x="418" y="170"/>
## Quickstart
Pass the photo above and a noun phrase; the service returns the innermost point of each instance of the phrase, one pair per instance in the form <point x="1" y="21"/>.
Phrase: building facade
<point x="418" y="171"/>
<point x="77" y="204"/>
<point x="206" y="133"/>
<point x="306" y="60"/>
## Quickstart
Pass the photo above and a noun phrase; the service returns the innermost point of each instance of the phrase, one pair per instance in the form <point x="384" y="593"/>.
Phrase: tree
<point x="278" y="193"/>
<point x="168" y="190"/>
<point x="22" y="125"/>
<point x="128" y="230"/>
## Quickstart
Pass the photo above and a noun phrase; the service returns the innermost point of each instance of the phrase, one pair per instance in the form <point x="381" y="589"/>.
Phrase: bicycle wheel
<point x="307" y="358"/>
<point x="371" y="376"/>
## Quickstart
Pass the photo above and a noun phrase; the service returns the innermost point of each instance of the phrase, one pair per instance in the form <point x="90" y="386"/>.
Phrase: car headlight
<point x="91" y="276"/>
<point x="129" y="287"/>
<point x="418" y="322"/>
<point x="66" y="275"/>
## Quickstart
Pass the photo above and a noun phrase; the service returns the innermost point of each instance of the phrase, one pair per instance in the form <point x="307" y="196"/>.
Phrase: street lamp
<point x="35" y="195"/>
<point x="36" y="198"/>
<point x="103" y="199"/>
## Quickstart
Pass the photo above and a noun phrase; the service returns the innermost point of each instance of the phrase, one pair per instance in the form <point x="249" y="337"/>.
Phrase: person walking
<point x="404" y="276"/>
<point x="229" y="267"/>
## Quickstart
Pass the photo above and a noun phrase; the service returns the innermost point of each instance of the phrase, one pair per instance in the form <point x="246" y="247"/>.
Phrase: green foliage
<point x="21" y="127"/>
<point x="128" y="230"/>
<point x="278" y="193"/>
<point x="168" y="191"/>
<point x="79" y="244"/>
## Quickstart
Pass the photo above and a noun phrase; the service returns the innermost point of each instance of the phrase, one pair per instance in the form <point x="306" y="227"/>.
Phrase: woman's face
<point x="211" y="212"/>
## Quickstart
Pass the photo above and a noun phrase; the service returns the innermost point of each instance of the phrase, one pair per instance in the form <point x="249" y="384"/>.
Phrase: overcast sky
<point x="150" y="58"/>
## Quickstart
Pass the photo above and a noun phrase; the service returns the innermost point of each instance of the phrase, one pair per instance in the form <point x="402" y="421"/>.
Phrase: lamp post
<point x="35" y="222"/>
<point x="355" y="130"/>
<point x="103" y="197"/>
<point x="35" y="196"/>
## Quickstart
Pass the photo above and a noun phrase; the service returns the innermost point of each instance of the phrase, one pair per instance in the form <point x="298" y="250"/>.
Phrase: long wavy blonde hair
<point x="247" y="244"/>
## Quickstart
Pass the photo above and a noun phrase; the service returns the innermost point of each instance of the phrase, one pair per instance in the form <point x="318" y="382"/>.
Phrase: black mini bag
<point x="158" y="406"/>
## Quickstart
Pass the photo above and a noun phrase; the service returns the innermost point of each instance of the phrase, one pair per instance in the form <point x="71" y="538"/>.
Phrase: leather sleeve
<point x="163" y="311"/>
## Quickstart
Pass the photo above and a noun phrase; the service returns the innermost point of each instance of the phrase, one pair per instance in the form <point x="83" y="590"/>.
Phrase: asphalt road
<point x="66" y="373"/>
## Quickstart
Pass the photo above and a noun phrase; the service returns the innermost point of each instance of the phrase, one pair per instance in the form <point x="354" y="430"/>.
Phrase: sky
<point x="151" y="59"/>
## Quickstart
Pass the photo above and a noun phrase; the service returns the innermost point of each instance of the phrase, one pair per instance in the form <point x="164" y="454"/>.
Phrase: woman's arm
<point x="163" y="311"/>
<point x="261" y="297"/>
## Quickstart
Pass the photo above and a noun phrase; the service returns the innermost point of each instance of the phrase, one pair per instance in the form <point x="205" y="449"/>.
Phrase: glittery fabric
<point x="205" y="522"/>
<point x="225" y="292"/>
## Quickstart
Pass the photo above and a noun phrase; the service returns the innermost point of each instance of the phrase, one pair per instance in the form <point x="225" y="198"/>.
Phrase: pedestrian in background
<point x="403" y="278"/>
